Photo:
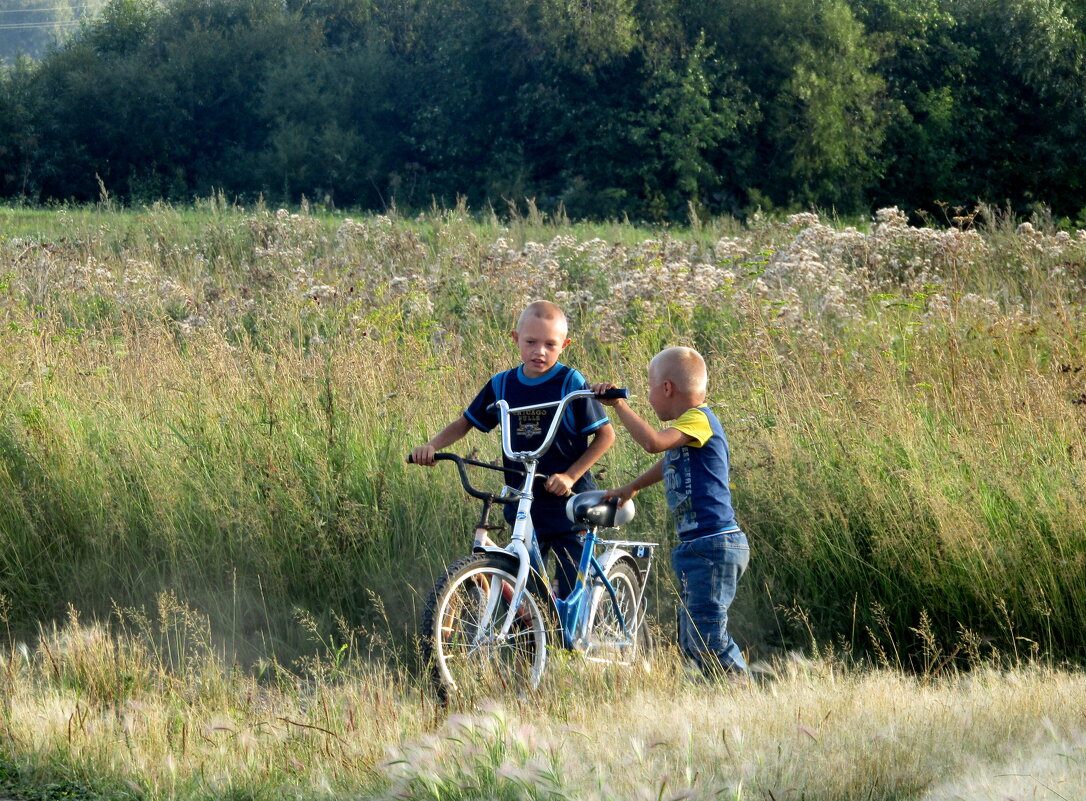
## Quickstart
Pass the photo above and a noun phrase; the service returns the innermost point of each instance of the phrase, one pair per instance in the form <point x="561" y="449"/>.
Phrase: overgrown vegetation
<point x="605" y="108"/>
<point x="212" y="552"/>
<point x="217" y="402"/>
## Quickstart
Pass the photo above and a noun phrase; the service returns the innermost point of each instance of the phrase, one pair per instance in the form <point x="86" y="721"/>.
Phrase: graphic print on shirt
<point x="678" y="484"/>
<point x="582" y="418"/>
<point x="530" y="424"/>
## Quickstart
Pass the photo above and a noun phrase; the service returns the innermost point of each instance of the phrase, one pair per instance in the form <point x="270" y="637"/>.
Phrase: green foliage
<point x="20" y="108"/>
<point x="1005" y="138"/>
<point x="27" y="784"/>
<point x="122" y="29"/>
<point x="598" y="109"/>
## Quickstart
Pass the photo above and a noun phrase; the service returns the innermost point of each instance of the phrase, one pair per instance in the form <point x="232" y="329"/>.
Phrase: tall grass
<point x="216" y="402"/>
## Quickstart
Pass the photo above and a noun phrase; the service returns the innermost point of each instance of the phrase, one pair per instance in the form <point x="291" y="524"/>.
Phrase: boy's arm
<point x="561" y="483"/>
<point x="453" y="432"/>
<point x="646" y="436"/>
<point x="646" y="479"/>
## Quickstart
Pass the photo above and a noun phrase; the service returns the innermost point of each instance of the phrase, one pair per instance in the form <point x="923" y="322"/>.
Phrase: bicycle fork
<point x="519" y="549"/>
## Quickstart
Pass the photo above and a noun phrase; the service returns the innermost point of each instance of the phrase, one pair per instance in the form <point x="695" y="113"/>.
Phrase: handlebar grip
<point x="440" y="456"/>
<point x="617" y="392"/>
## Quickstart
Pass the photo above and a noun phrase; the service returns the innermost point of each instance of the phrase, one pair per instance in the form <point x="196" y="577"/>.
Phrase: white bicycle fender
<point x="612" y="555"/>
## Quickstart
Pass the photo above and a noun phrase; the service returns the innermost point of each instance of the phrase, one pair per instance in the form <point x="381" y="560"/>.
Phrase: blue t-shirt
<point x="582" y="418"/>
<point x="696" y="477"/>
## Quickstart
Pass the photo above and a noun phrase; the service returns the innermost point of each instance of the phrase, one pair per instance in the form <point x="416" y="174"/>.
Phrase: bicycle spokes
<point x="470" y="651"/>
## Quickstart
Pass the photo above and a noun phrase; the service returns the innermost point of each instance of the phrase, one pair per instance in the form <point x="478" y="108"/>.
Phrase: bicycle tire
<point x="607" y="640"/>
<point x="464" y="649"/>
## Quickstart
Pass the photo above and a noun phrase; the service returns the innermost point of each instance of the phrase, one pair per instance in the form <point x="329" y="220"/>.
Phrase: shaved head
<point x="683" y="367"/>
<point x="544" y="310"/>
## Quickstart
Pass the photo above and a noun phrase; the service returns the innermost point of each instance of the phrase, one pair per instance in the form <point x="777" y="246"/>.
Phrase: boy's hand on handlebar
<point x="602" y="387"/>
<point x="424" y="455"/>
<point x="559" y="484"/>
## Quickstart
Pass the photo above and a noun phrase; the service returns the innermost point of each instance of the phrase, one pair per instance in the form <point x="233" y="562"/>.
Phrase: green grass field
<point x="205" y="511"/>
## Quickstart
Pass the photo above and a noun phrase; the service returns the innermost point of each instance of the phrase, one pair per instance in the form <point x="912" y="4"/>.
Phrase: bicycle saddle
<point x="591" y="508"/>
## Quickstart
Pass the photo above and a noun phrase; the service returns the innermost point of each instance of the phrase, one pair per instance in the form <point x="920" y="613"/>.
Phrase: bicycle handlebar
<point x="524" y="456"/>
<point x="468" y="488"/>
<point x="504" y="411"/>
<point x="613" y="394"/>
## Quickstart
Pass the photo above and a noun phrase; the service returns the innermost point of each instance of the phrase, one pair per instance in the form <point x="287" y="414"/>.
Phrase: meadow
<point x="213" y="555"/>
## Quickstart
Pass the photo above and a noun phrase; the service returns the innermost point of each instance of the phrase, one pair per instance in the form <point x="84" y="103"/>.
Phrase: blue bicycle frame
<point x="575" y="611"/>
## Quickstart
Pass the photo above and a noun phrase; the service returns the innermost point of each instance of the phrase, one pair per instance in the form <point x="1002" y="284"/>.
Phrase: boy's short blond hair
<point x="683" y="367"/>
<point x="543" y="310"/>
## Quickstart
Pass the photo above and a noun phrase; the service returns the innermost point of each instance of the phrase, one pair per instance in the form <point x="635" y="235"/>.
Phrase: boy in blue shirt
<point x="585" y="433"/>
<point x="712" y="552"/>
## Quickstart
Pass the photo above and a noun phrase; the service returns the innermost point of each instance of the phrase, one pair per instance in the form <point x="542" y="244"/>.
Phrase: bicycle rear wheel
<point x="462" y="628"/>
<point x="608" y="641"/>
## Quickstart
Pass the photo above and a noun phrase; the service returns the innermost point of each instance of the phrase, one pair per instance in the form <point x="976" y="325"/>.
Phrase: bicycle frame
<point x="575" y="612"/>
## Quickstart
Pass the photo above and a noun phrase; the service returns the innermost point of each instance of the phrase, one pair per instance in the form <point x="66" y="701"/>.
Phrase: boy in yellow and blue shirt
<point x="713" y="552"/>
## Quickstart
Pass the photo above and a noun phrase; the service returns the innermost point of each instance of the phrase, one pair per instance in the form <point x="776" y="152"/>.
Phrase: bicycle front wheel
<point x="465" y="616"/>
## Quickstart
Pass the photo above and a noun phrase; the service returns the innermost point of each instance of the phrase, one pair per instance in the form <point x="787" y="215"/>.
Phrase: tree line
<point x="604" y="108"/>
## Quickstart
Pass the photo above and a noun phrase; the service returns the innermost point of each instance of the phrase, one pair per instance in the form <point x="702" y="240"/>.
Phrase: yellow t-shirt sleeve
<point x="694" y="423"/>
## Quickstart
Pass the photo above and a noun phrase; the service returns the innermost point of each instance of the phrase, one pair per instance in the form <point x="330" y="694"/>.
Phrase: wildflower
<point x="321" y="292"/>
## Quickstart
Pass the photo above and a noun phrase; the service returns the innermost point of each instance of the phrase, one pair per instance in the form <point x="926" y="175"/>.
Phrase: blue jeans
<point x="708" y="570"/>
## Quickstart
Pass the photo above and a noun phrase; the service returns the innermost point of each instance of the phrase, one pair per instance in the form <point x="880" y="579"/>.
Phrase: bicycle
<point x="491" y="617"/>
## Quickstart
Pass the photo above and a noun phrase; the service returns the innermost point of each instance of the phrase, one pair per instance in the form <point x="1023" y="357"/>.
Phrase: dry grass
<point x="117" y="716"/>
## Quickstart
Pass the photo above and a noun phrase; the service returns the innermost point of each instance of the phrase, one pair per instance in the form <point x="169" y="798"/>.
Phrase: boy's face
<point x="541" y="342"/>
